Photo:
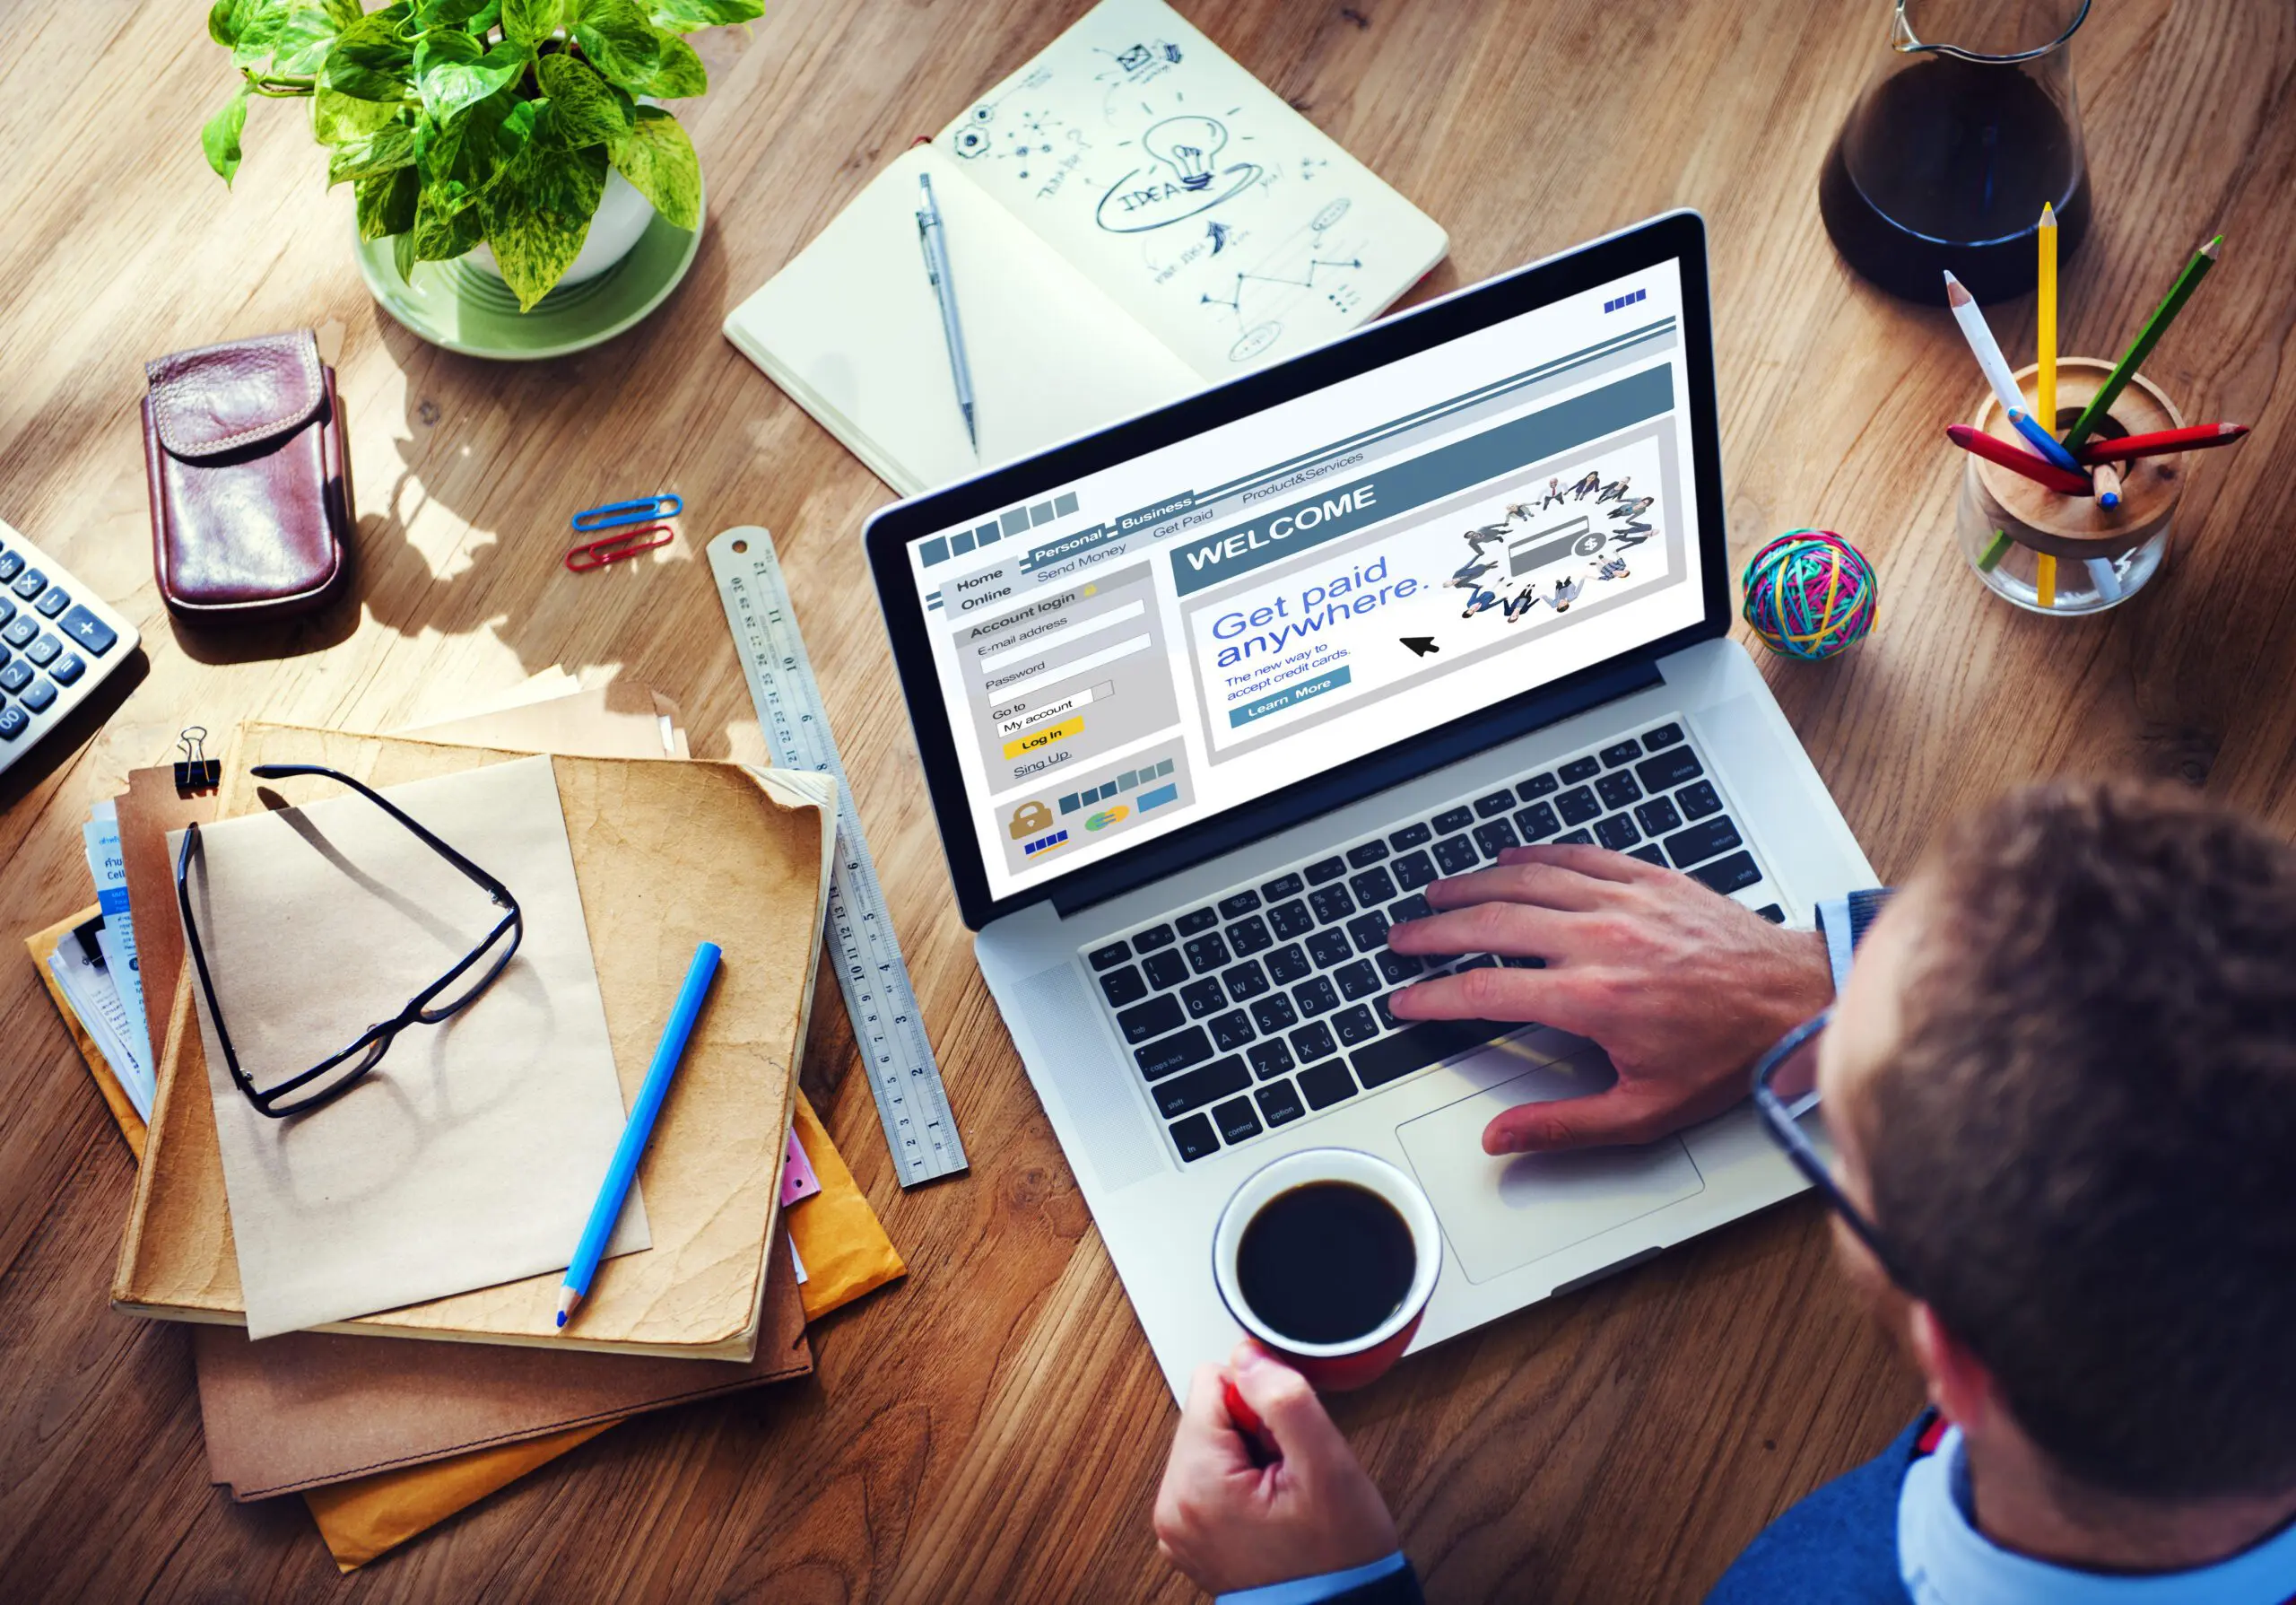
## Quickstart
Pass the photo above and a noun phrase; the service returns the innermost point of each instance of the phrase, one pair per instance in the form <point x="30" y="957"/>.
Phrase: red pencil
<point x="2018" y="460"/>
<point x="2161" y="442"/>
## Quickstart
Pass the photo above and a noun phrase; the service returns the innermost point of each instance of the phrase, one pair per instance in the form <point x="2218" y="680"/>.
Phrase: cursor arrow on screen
<point x="1421" y="645"/>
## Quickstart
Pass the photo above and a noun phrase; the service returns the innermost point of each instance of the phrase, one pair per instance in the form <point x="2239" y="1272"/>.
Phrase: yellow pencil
<point x="2045" y="578"/>
<point x="2045" y="380"/>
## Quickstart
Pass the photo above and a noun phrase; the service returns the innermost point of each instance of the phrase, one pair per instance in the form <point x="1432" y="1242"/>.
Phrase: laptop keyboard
<point x="1270" y="1003"/>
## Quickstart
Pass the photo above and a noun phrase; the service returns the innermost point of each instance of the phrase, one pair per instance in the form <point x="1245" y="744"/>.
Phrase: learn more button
<point x="1290" y="696"/>
<point x="1036" y="739"/>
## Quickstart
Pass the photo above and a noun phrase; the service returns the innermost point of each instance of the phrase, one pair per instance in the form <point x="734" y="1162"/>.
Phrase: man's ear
<point x="1960" y="1387"/>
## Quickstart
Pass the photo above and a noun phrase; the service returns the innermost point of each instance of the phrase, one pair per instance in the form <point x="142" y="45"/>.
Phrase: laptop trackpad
<point x="1501" y="1214"/>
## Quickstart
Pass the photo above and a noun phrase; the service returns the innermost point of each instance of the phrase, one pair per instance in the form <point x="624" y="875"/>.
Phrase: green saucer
<point x="465" y="307"/>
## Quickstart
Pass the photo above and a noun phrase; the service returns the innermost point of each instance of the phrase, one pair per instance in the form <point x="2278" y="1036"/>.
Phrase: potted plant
<point x="459" y="123"/>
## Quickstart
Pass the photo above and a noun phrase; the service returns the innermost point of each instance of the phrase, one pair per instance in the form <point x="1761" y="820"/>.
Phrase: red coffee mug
<point x="1334" y="1368"/>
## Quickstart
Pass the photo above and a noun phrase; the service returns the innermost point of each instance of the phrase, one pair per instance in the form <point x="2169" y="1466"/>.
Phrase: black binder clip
<point x="195" y="771"/>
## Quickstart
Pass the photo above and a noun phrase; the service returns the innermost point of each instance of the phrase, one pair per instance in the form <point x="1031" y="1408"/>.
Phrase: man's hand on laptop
<point x="1681" y="987"/>
<point x="1232" y="1525"/>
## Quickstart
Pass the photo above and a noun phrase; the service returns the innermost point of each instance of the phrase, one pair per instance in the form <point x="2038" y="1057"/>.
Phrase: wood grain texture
<point x="994" y="1427"/>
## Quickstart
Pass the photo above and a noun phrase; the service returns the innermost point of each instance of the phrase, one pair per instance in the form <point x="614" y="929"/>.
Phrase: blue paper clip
<point x="614" y="515"/>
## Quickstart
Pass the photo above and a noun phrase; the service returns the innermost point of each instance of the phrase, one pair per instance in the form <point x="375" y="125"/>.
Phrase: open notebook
<point x="1130" y="217"/>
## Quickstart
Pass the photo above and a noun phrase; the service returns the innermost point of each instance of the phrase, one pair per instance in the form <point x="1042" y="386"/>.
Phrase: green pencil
<point x="2142" y="347"/>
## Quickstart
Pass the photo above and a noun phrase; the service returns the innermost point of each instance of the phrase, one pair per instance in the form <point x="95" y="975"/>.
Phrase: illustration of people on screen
<point x="1633" y="510"/>
<point x="1480" y="600"/>
<point x="1553" y="494"/>
<point x="1468" y="572"/>
<point x="1612" y="567"/>
<point x="1518" y="606"/>
<point x="1588" y="486"/>
<point x="1612" y="491"/>
<point x="1566" y="591"/>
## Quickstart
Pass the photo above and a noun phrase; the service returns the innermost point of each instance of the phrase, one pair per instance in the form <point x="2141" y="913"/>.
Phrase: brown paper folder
<point x="310" y="1409"/>
<point x="667" y="854"/>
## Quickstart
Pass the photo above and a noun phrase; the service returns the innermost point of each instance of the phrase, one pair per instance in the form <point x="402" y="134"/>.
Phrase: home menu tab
<point x="1211" y="622"/>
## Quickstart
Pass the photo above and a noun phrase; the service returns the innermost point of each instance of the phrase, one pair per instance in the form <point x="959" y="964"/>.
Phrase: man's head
<point x="2063" y="1078"/>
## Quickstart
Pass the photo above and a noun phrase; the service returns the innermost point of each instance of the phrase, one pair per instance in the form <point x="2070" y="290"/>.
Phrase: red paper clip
<point x="614" y="547"/>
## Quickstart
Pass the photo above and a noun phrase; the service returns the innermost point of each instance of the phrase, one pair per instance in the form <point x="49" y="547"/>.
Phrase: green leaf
<point x="228" y="19"/>
<point x="460" y="157"/>
<point x="531" y="21"/>
<point x="369" y="61"/>
<point x="343" y="12"/>
<point x="537" y="213"/>
<point x="288" y="41"/>
<point x="657" y="159"/>
<point x="387" y="202"/>
<point x="336" y="118"/>
<point x="677" y="71"/>
<point x="384" y="150"/>
<point x="452" y="73"/>
<point x="443" y="231"/>
<point x="446" y="14"/>
<point x="583" y="108"/>
<point x="402" y="254"/>
<point x="620" y="42"/>
<point x="683" y="16"/>
<point x="220" y="137"/>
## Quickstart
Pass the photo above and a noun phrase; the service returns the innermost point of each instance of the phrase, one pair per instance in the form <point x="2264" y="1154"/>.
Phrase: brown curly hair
<point x="2084" y="1148"/>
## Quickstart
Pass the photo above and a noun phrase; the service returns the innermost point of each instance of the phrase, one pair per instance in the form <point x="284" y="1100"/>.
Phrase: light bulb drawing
<point x="1190" y="146"/>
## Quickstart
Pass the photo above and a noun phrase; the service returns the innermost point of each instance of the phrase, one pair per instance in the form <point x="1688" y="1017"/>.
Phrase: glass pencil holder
<point x="2066" y="556"/>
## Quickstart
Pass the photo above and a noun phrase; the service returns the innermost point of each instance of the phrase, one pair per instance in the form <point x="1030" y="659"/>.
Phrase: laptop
<point x="1206" y="699"/>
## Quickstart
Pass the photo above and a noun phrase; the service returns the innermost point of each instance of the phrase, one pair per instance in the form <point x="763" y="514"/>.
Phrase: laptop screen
<point x="1204" y="625"/>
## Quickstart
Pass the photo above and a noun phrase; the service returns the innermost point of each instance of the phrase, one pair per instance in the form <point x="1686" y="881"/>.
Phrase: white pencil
<point x="1979" y="335"/>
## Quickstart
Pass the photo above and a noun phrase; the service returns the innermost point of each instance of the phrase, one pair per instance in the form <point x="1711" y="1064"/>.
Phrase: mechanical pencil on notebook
<point x="2161" y="442"/>
<point x="1995" y="449"/>
<point x="933" y="236"/>
<point x="623" y="1169"/>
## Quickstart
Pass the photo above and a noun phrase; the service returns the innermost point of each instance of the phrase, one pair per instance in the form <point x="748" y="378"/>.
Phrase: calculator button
<point x="21" y="632"/>
<point x="16" y="676"/>
<point x="44" y="651"/>
<point x="38" y="696"/>
<point x="29" y="584"/>
<point x="87" y="631"/>
<point x="11" y="565"/>
<point x="52" y="601"/>
<point x="13" y="722"/>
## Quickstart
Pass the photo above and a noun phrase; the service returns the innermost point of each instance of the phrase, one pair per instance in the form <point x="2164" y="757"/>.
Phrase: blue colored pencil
<point x="2043" y="442"/>
<point x="623" y="1171"/>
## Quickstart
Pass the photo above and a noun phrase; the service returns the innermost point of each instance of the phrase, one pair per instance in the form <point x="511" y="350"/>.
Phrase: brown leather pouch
<point x="250" y="484"/>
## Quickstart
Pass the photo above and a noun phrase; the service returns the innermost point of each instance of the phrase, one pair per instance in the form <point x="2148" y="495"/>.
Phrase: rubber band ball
<point x="1810" y="593"/>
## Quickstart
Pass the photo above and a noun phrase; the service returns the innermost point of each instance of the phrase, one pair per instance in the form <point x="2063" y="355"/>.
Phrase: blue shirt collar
<point x="1944" y="1560"/>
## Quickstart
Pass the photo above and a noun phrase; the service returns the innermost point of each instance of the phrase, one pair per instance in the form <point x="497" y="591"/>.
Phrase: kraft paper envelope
<point x="311" y="1409"/>
<point x="667" y="854"/>
<point x="470" y="1157"/>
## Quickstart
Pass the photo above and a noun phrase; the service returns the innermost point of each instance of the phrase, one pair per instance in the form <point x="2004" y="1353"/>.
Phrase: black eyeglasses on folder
<point x="456" y="990"/>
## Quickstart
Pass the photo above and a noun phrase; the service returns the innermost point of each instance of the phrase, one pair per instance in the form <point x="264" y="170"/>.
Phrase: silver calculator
<point x="58" y="641"/>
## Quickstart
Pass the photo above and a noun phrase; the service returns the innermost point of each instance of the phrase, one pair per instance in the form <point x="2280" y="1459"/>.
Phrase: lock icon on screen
<point x="1029" y="819"/>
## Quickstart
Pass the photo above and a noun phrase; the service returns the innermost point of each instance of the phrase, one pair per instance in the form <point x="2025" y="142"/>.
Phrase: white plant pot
<point x="623" y="216"/>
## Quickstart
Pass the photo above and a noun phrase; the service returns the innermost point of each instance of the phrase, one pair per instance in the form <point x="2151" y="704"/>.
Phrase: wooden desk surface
<point x="994" y="1429"/>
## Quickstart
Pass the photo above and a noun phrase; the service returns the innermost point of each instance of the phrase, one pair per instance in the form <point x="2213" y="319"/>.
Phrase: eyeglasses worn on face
<point x="1792" y="1062"/>
<point x="456" y="990"/>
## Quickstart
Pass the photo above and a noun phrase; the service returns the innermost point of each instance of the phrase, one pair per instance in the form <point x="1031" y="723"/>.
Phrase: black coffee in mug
<point x="1326" y="1262"/>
